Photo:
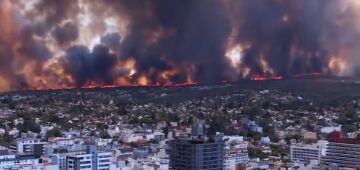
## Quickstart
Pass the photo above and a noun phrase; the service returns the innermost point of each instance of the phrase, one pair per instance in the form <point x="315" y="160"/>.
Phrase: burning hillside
<point x="48" y="44"/>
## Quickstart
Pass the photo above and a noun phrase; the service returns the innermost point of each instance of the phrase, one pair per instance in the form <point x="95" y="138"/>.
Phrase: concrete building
<point x="7" y="160"/>
<point x="197" y="152"/>
<point x="236" y="152"/>
<point x="34" y="163"/>
<point x="30" y="147"/>
<point x="91" y="159"/>
<point x="104" y="160"/>
<point x="12" y="162"/>
<point x="60" y="160"/>
<point x="305" y="153"/>
<point x="342" y="152"/>
<point x="79" y="162"/>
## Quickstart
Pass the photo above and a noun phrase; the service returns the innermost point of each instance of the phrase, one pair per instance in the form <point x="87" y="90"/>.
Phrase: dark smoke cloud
<point x="111" y="40"/>
<point x="56" y="11"/>
<point x="78" y="63"/>
<point x="274" y="29"/>
<point x="19" y="47"/>
<point x="66" y="33"/>
<point x="86" y="66"/>
<point x="104" y="63"/>
<point x="198" y="33"/>
<point x="33" y="48"/>
<point x="282" y="37"/>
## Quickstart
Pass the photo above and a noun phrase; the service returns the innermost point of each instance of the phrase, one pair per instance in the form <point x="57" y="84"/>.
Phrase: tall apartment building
<point x="104" y="160"/>
<point x="236" y="152"/>
<point x="30" y="146"/>
<point x="91" y="159"/>
<point x="342" y="152"/>
<point x="79" y="162"/>
<point x="305" y="153"/>
<point x="7" y="160"/>
<point x="197" y="152"/>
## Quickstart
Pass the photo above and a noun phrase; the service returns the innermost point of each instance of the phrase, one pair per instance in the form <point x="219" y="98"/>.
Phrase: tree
<point x="104" y="135"/>
<point x="218" y="123"/>
<point x="257" y="153"/>
<point x="278" y="150"/>
<point x="102" y="126"/>
<point x="55" y="132"/>
<point x="52" y="118"/>
<point x="29" y="125"/>
<point x="6" y="139"/>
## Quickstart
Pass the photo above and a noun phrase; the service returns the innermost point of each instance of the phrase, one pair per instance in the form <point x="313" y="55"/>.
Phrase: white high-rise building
<point x="79" y="162"/>
<point x="6" y="160"/>
<point x="30" y="146"/>
<point x="104" y="160"/>
<point x="91" y="159"/>
<point x="342" y="153"/>
<point x="306" y="153"/>
<point x="236" y="153"/>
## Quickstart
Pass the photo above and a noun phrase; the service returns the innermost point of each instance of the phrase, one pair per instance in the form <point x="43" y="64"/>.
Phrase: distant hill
<point x="322" y="88"/>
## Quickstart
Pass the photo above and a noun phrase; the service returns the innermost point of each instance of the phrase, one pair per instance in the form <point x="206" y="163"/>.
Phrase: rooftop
<point x="337" y="137"/>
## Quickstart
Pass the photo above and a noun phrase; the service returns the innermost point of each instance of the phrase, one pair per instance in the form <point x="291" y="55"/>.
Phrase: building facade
<point x="104" y="161"/>
<point x="197" y="152"/>
<point x="91" y="159"/>
<point x="7" y="160"/>
<point x="12" y="162"/>
<point x="79" y="162"/>
<point x="236" y="152"/>
<point x="305" y="153"/>
<point x="30" y="146"/>
<point x="342" y="152"/>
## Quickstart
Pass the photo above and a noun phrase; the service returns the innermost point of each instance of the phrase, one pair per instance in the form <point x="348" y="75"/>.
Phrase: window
<point x="104" y="161"/>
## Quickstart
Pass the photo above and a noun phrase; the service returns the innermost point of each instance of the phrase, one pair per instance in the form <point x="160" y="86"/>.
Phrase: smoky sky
<point x="278" y="38"/>
<point x="198" y="33"/>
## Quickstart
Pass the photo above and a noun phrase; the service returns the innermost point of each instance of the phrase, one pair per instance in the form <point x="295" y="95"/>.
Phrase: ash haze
<point x="79" y="43"/>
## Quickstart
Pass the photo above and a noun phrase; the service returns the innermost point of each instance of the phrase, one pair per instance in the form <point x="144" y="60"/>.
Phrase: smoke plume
<point x="78" y="43"/>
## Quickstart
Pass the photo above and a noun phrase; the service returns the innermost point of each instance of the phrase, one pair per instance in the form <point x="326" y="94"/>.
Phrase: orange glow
<point x="28" y="27"/>
<point x="234" y="55"/>
<point x="338" y="65"/>
<point x="262" y="78"/>
<point x="143" y="81"/>
<point x="6" y="18"/>
<point x="307" y="75"/>
<point x="128" y="66"/>
<point x="4" y="85"/>
<point x="265" y="67"/>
